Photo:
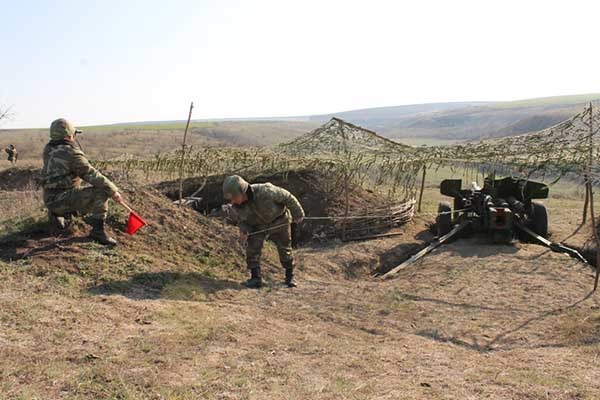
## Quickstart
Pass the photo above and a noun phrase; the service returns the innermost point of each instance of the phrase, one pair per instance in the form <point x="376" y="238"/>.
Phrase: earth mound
<point x="321" y="195"/>
<point x="177" y="243"/>
<point x="19" y="179"/>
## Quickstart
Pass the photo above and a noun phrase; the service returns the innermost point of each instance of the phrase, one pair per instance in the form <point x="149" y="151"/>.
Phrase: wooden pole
<point x="347" y="211"/>
<point x="586" y="202"/>
<point x="591" y="199"/>
<point x="183" y="155"/>
<point x="346" y="178"/>
<point x="595" y="231"/>
<point x="125" y="206"/>
<point x="422" y="188"/>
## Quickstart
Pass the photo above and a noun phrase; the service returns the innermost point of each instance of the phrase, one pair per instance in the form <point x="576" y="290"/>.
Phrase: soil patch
<point x="19" y="179"/>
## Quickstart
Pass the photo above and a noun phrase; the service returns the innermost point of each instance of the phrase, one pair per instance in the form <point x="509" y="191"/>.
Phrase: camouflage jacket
<point x="12" y="153"/>
<point x="65" y="166"/>
<point x="266" y="204"/>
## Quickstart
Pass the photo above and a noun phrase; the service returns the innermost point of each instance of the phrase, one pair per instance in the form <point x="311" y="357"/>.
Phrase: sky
<point x="98" y="62"/>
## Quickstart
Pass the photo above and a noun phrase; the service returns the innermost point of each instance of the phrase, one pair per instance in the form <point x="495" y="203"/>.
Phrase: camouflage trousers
<point x="89" y="200"/>
<point x="282" y="237"/>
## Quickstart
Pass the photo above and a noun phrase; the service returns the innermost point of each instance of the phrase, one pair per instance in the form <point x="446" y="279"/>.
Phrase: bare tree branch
<point x="5" y="113"/>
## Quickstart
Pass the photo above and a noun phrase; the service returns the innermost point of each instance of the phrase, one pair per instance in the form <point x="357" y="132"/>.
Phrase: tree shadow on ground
<point x="190" y="286"/>
<point x="501" y="341"/>
<point x="465" y="306"/>
<point x="36" y="239"/>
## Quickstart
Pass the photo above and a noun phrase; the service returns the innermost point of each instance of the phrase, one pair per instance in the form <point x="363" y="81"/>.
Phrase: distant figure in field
<point x="13" y="155"/>
<point x="65" y="165"/>
<point x="264" y="211"/>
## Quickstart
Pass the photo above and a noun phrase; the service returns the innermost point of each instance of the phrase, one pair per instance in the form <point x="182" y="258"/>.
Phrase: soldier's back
<point x="56" y="172"/>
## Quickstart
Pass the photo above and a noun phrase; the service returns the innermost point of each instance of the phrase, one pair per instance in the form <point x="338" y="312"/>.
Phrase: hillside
<point x="474" y="123"/>
<point x="147" y="139"/>
<point x="451" y="122"/>
<point x="434" y="123"/>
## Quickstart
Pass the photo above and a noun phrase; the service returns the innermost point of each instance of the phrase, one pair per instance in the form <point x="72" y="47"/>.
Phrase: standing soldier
<point x="264" y="211"/>
<point x="11" y="150"/>
<point x="65" y="165"/>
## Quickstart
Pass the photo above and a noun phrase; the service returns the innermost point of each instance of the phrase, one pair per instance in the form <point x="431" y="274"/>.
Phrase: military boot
<point x="57" y="223"/>
<point x="289" y="278"/>
<point x="255" y="281"/>
<point x="68" y="220"/>
<point x="99" y="233"/>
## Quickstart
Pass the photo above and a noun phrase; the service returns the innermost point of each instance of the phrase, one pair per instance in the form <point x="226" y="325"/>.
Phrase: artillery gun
<point x="499" y="209"/>
<point x="504" y="209"/>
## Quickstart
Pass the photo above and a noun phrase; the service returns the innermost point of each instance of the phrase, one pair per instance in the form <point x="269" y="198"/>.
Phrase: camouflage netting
<point x="362" y="156"/>
<point x="570" y="147"/>
<point x="373" y="161"/>
<point x="338" y="137"/>
<point x="338" y="147"/>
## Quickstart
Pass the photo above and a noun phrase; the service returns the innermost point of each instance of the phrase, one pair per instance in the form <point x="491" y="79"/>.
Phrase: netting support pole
<point x="586" y="202"/>
<point x="422" y="188"/>
<point x="591" y="199"/>
<point x="347" y="200"/>
<point x="595" y="231"/>
<point x="181" y="164"/>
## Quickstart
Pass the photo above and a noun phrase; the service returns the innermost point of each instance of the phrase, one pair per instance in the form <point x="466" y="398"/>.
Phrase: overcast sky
<point x="104" y="61"/>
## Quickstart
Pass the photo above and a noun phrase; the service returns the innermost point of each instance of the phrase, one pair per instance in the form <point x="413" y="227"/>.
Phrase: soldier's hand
<point x="299" y="221"/>
<point x="117" y="197"/>
<point x="243" y="237"/>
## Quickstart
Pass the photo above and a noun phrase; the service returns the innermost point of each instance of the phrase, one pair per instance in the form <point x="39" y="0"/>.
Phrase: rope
<point x="445" y="212"/>
<point x="268" y="229"/>
<point x="350" y="217"/>
<point x="333" y="218"/>
<point x="319" y="219"/>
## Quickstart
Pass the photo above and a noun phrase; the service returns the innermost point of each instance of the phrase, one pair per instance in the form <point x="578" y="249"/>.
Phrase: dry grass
<point x="162" y="317"/>
<point x="18" y="205"/>
<point x="144" y="140"/>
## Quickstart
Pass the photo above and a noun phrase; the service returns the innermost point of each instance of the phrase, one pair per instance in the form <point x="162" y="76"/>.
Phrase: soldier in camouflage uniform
<point x="264" y="211"/>
<point x="65" y="166"/>
<point x="12" y="154"/>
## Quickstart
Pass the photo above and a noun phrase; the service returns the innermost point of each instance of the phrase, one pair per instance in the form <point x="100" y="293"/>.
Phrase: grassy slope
<point x="429" y="124"/>
<point x="452" y="122"/>
<point x="162" y="316"/>
<point x="145" y="140"/>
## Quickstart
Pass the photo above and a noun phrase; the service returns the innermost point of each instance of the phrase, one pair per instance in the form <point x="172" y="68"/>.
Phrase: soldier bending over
<point x="265" y="211"/>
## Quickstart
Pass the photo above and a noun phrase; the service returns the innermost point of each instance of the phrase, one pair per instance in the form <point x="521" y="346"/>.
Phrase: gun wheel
<point x="443" y="221"/>
<point x="539" y="219"/>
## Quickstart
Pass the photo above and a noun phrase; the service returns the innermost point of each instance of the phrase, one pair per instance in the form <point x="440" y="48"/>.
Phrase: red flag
<point x="134" y="223"/>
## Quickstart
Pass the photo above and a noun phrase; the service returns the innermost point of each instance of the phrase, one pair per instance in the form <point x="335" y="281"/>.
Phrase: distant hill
<point x="385" y="114"/>
<point x="434" y="123"/>
<point x="452" y="122"/>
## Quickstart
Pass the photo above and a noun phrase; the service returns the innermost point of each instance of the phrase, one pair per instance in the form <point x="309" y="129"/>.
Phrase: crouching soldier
<point x="65" y="165"/>
<point x="264" y="211"/>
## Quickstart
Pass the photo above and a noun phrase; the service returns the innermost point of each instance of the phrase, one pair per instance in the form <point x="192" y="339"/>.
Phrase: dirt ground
<point x="19" y="179"/>
<point x="163" y="316"/>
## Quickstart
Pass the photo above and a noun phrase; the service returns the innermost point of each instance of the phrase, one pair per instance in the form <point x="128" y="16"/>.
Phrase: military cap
<point x="234" y="186"/>
<point x="61" y="128"/>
